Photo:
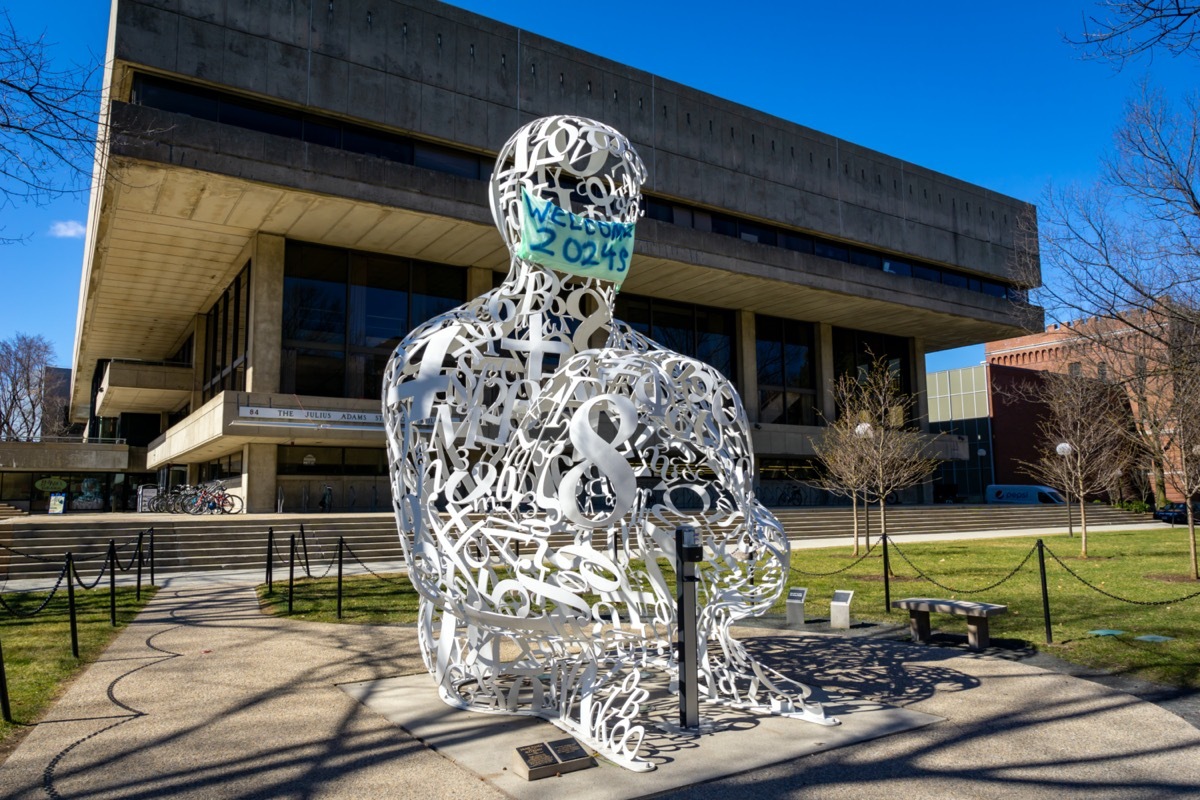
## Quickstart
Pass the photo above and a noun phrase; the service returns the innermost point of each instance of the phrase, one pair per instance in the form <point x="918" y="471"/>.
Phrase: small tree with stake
<point x="844" y="454"/>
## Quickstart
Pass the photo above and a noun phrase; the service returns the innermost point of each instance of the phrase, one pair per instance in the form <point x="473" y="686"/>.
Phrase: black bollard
<point x="139" y="567"/>
<point x="887" y="585"/>
<point x="270" y="576"/>
<point x="112" y="582"/>
<point x="71" y="605"/>
<point x="341" y="545"/>
<point x="291" y="570"/>
<point x="152" y="583"/>
<point x="1041" y="548"/>
<point x="5" y="710"/>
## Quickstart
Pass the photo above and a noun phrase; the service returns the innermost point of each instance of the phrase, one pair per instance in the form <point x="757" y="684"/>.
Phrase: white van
<point x="1023" y="495"/>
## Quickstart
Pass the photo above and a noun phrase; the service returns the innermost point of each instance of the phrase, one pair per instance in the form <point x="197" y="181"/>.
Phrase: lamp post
<point x="1065" y="450"/>
<point x="863" y="430"/>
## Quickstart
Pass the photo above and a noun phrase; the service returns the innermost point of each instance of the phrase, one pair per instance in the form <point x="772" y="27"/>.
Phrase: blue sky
<point x="988" y="93"/>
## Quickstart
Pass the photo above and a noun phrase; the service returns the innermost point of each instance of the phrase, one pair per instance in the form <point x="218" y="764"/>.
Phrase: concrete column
<point x="199" y="357"/>
<point x="258" y="477"/>
<point x="747" y="362"/>
<point x="825" y="374"/>
<point x="916" y="352"/>
<point x="265" y="343"/>
<point x="479" y="281"/>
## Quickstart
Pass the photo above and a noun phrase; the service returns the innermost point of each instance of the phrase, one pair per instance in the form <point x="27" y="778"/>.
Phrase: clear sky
<point x="985" y="92"/>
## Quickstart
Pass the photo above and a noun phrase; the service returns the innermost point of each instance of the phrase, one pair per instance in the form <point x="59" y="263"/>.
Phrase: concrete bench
<point x="976" y="613"/>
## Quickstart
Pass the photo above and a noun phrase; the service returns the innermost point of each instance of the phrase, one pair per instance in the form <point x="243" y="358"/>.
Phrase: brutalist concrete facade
<point x="186" y="202"/>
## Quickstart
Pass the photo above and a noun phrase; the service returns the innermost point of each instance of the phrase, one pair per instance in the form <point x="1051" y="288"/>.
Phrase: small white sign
<point x="310" y="415"/>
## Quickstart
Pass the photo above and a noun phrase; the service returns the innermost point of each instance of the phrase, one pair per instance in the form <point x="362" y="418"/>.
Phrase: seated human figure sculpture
<point x="529" y="414"/>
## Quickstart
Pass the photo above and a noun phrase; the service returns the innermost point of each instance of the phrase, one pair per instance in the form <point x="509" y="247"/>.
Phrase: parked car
<point x="1023" y="495"/>
<point x="1176" y="513"/>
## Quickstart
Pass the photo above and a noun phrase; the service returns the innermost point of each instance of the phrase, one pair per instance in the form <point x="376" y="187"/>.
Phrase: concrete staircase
<point x="184" y="543"/>
<point x="7" y="512"/>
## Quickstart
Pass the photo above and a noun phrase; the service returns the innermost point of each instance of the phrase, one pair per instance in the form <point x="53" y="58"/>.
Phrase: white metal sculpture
<point x="542" y="455"/>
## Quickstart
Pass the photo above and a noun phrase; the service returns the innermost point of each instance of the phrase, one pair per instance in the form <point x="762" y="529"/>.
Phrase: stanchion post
<point x="112" y="582"/>
<point x="152" y="583"/>
<point x="887" y="585"/>
<point x="687" y="553"/>
<point x="291" y="570"/>
<point x="5" y="709"/>
<point x="1041" y="548"/>
<point x="341" y="544"/>
<point x="71" y="605"/>
<point x="139" y="566"/>
<point x="304" y="546"/>
<point x="270" y="576"/>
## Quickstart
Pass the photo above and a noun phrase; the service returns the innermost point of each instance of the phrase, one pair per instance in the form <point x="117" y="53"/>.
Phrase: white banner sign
<point x="310" y="415"/>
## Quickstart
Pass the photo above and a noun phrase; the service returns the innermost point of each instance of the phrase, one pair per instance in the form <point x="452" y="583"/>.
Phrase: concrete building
<point x="292" y="187"/>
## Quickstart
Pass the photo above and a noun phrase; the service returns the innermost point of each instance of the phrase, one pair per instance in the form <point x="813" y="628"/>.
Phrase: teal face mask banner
<point x="556" y="238"/>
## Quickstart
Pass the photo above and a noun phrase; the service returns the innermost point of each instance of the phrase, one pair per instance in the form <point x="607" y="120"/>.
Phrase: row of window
<point x="182" y="98"/>
<point x="300" y="460"/>
<point x="226" y="326"/>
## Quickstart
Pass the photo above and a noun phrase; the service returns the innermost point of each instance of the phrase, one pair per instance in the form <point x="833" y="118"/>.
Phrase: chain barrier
<point x="137" y="551"/>
<point x="96" y="582"/>
<point x="953" y="590"/>
<point x="1107" y="593"/>
<point x="16" y="613"/>
<point x="31" y="556"/>
<point x="354" y="555"/>
<point x="304" y="545"/>
<point x="849" y="566"/>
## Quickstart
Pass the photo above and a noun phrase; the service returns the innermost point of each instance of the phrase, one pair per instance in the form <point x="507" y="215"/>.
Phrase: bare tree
<point x="48" y="121"/>
<point x="874" y="415"/>
<point x="1125" y="29"/>
<point x="845" y="457"/>
<point x="1083" y="436"/>
<point x="23" y="362"/>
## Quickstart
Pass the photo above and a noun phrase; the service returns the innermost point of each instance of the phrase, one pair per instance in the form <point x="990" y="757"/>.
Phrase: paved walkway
<point x="204" y="697"/>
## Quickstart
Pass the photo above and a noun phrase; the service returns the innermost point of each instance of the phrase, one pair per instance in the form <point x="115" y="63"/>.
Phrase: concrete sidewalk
<point x="204" y="697"/>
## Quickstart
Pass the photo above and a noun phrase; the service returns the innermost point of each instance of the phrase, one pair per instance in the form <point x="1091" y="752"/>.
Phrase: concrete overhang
<point x="176" y="214"/>
<point x="142" y="388"/>
<point x="232" y="419"/>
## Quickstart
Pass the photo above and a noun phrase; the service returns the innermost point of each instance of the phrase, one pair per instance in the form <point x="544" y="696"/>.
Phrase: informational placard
<point x="58" y="503"/>
<point x="842" y="596"/>
<point x="543" y="759"/>
<point x="797" y="595"/>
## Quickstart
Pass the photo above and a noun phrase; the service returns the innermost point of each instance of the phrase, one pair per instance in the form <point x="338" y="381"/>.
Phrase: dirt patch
<point x="1169" y="577"/>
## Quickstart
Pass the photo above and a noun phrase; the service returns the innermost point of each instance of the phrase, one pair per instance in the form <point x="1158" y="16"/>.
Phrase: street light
<point x="1065" y="450"/>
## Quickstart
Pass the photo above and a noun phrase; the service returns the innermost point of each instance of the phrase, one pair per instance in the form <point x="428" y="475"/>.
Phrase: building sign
<point x="58" y="503"/>
<point x="50" y="485"/>
<point x="310" y="415"/>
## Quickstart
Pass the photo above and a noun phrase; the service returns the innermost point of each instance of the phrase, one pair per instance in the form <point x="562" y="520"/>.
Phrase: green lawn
<point x="1141" y="565"/>
<point x="37" y="650"/>
<point x="1144" y="565"/>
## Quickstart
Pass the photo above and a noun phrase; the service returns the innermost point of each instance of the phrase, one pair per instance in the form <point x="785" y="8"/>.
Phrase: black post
<point x="304" y="545"/>
<point x="5" y="710"/>
<point x="139" y="565"/>
<point x="270" y="577"/>
<point x="71" y="605"/>
<point x="112" y="582"/>
<point x="687" y="553"/>
<point x="291" y="570"/>
<point x="887" y="584"/>
<point x="152" y="583"/>
<point x="1041" y="548"/>
<point x="341" y="544"/>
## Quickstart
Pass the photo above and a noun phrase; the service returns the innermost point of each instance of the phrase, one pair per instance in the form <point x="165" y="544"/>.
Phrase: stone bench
<point x="976" y="613"/>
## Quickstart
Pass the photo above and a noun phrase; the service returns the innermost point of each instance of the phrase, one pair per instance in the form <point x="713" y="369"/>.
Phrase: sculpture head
<point x="579" y="165"/>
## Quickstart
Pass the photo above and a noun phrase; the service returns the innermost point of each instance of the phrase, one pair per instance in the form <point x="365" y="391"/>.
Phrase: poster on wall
<point x="58" y="502"/>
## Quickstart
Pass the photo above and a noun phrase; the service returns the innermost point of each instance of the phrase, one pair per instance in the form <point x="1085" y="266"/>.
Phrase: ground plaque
<point x="541" y="760"/>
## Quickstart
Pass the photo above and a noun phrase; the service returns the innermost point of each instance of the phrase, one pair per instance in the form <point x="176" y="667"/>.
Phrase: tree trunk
<point x="1192" y="539"/>
<point x="1082" y="527"/>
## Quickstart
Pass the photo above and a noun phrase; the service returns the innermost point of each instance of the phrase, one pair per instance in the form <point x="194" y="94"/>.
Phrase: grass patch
<point x="37" y="650"/>
<point x="366" y="599"/>
<point x="1127" y="564"/>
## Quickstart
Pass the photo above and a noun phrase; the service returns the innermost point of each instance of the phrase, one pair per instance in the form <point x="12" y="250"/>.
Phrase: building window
<point x="787" y="376"/>
<point x="853" y="352"/>
<point x="701" y="332"/>
<point x="345" y="311"/>
<point x="225" y="335"/>
<point x="361" y="461"/>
